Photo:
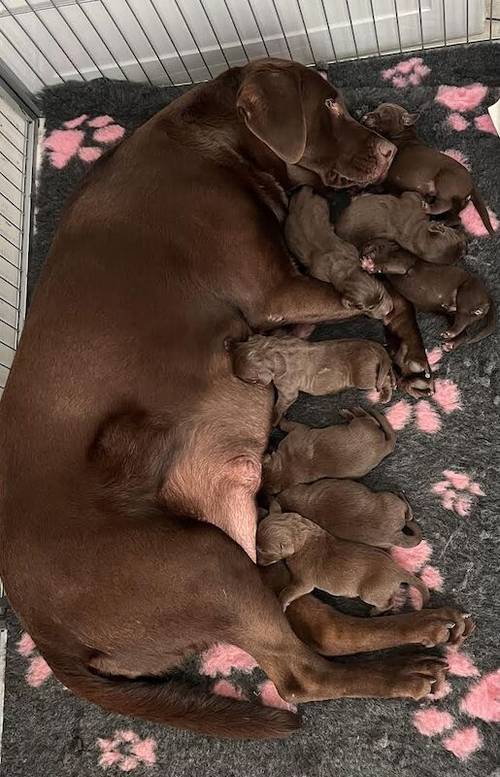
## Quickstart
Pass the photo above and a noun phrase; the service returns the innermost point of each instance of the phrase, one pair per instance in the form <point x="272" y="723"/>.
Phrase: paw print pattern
<point x="127" y="751"/>
<point x="415" y="560"/>
<point x="38" y="669"/>
<point x="408" y="72"/>
<point x="457" y="492"/>
<point x="65" y="144"/>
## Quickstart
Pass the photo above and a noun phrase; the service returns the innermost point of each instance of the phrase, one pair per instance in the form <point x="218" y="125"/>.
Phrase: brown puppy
<point x="327" y="367"/>
<point x="351" y="511"/>
<point x="342" y="451"/>
<point x="447" y="289"/>
<point x="311" y="238"/>
<point x="444" y="183"/>
<point x="403" y="220"/>
<point x="316" y="559"/>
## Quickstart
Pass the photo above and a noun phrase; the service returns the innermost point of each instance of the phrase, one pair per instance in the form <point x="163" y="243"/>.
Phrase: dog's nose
<point x="386" y="149"/>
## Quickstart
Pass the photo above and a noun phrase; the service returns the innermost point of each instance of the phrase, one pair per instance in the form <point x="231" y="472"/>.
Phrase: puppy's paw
<point x="445" y="625"/>
<point x="368" y="265"/>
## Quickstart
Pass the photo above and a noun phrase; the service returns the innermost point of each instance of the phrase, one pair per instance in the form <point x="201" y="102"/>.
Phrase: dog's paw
<point x="444" y="625"/>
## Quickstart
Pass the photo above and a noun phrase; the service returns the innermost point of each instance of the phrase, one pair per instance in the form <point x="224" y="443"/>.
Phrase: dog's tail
<point x="176" y="703"/>
<point x="486" y="327"/>
<point x="481" y="208"/>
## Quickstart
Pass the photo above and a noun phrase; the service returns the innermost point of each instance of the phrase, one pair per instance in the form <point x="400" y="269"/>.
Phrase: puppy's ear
<point x="409" y="119"/>
<point x="270" y="103"/>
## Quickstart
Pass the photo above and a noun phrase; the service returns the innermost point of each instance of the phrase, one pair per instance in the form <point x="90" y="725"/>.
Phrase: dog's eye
<point x="330" y="104"/>
<point x="477" y="312"/>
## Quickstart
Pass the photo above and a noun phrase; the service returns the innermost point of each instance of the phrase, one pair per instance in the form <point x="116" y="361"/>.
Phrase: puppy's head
<point x="368" y="295"/>
<point x="304" y="121"/>
<point x="256" y="362"/>
<point x="389" y="120"/>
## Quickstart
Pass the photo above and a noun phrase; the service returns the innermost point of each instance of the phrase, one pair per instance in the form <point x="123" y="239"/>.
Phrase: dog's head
<point x="256" y="362"/>
<point x="303" y="119"/>
<point x="368" y="295"/>
<point x="389" y="120"/>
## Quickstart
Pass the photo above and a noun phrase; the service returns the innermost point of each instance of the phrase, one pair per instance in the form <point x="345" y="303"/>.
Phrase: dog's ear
<point x="270" y="102"/>
<point x="409" y="119"/>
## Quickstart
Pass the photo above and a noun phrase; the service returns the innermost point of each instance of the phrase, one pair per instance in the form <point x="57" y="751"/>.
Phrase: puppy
<point x="444" y="183"/>
<point x="402" y="219"/>
<point x="342" y="451"/>
<point x="320" y="368"/>
<point x="447" y="289"/>
<point x="350" y="511"/>
<point x="316" y="559"/>
<point x="311" y="238"/>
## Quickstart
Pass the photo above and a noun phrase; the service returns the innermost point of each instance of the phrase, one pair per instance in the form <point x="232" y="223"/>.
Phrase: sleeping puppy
<point x="350" y="511"/>
<point x="402" y="219"/>
<point x="316" y="559"/>
<point x="311" y="238"/>
<point x="320" y="368"/>
<point x="348" y="450"/>
<point x="444" y="183"/>
<point x="447" y="289"/>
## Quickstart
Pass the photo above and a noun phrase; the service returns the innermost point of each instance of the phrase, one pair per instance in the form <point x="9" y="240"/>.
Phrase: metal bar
<point x="126" y="41"/>
<point x="236" y="29"/>
<point x="4" y="366"/>
<point x="11" y="123"/>
<point x="19" y="150"/>
<point x="9" y="283"/>
<point x="16" y="90"/>
<point x="171" y="40"/>
<point x="47" y="28"/>
<point x="249" y="3"/>
<point x="282" y="29"/>
<point x="36" y="46"/>
<point x="88" y="18"/>
<point x="6" y="323"/>
<point x="6" y="302"/>
<point x="70" y="26"/>
<point x="375" y="28"/>
<point x="491" y="19"/>
<point x="28" y="216"/>
<point x="193" y="38"/>
<point x="6" y="345"/>
<point x="467" y="19"/>
<point x="141" y="26"/>
<point x="305" y="30"/>
<point x="398" y="28"/>
<point x="16" y="226"/>
<point x="7" y="198"/>
<point x="329" y="30"/>
<point x="444" y="22"/>
<point x="214" y="33"/>
<point x="420" y="21"/>
<point x="352" y="29"/>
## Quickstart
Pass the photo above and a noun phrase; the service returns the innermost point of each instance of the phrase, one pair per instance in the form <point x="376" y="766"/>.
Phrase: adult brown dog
<point x="130" y="454"/>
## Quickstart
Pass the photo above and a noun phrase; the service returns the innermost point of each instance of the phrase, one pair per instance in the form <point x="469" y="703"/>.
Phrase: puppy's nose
<point x="386" y="149"/>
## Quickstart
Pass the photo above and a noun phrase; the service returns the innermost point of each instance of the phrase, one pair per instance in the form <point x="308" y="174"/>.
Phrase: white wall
<point x="37" y="37"/>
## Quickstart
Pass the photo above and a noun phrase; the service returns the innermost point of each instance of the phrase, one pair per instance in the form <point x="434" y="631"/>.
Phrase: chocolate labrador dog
<point x="130" y="452"/>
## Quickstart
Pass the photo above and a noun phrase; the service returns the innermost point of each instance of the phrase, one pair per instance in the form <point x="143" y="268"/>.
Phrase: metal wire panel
<point x="183" y="41"/>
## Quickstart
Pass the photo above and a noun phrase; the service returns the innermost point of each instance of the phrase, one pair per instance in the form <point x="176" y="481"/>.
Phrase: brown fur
<point x="348" y="450"/>
<point x="326" y="367"/>
<point x="129" y="466"/>
<point x="311" y="238"/>
<point x="444" y="183"/>
<point x="447" y="289"/>
<point x="350" y="511"/>
<point x="403" y="220"/>
<point x="317" y="559"/>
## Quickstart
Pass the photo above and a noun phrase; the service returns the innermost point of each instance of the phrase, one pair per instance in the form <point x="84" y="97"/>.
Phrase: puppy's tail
<point x="481" y="208"/>
<point x="487" y="328"/>
<point x="175" y="703"/>
<point x="384" y="370"/>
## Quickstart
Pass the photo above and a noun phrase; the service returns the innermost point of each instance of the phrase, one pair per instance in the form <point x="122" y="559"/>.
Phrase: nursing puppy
<point x="351" y="511"/>
<point x="402" y="219"/>
<point x="446" y="289"/>
<point x="347" y="450"/>
<point x="444" y="183"/>
<point x="316" y="559"/>
<point x="328" y="367"/>
<point x="311" y="239"/>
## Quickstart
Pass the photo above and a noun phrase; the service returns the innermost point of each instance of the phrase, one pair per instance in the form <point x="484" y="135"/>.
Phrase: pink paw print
<point x="446" y="399"/>
<point x="127" y="751"/>
<point x="415" y="560"/>
<point x="464" y="99"/>
<point x="408" y="72"/>
<point x="457" y="492"/>
<point x="65" y="144"/>
<point x="38" y="670"/>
